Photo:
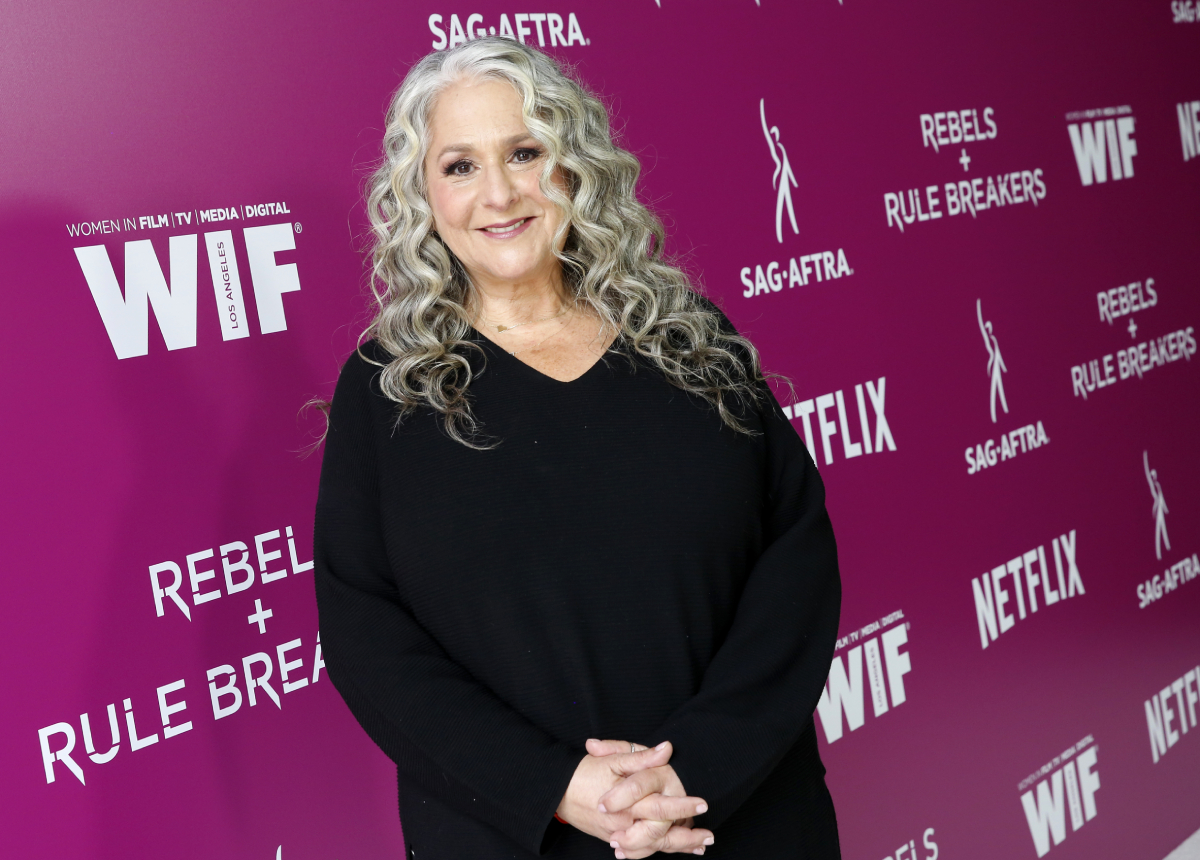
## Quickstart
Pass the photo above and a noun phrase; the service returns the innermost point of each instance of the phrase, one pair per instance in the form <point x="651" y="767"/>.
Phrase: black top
<point x="622" y="565"/>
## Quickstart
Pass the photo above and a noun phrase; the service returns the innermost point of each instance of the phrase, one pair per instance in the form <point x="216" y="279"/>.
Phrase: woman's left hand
<point x="638" y="794"/>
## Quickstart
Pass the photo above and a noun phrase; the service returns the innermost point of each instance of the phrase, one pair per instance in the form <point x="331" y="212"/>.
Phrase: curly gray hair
<point x="612" y="258"/>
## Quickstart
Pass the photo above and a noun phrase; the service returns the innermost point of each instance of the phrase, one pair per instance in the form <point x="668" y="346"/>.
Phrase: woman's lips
<point x="507" y="230"/>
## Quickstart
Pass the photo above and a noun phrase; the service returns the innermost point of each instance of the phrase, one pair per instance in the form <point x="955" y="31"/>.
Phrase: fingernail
<point x="620" y="856"/>
<point x="661" y="746"/>
<point x="697" y="850"/>
<point x="708" y="840"/>
<point x="614" y="844"/>
<point x="703" y="807"/>
<point x="591" y="740"/>
<point x="602" y="809"/>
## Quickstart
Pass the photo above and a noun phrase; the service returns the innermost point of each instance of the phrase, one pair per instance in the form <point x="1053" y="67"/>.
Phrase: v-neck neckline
<point x="494" y="347"/>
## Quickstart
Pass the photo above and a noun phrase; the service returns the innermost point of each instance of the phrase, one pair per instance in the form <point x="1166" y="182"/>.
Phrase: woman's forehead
<point x="476" y="107"/>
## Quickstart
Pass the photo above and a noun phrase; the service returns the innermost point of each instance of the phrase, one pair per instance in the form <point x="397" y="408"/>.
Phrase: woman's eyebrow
<point x="466" y="147"/>
<point x="456" y="147"/>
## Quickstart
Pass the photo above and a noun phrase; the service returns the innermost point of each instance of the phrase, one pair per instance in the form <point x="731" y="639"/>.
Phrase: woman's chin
<point x="515" y="272"/>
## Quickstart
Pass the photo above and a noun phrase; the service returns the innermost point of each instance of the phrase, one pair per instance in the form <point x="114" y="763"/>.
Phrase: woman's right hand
<point x="597" y="774"/>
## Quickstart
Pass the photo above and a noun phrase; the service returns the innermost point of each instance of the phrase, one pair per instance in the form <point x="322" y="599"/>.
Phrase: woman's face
<point x="482" y="169"/>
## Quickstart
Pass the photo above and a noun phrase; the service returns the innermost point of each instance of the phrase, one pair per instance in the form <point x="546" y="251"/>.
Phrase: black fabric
<point x="621" y="565"/>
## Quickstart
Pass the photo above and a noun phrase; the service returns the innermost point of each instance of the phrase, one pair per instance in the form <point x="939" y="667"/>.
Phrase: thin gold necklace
<point x="539" y="343"/>
<point x="500" y="329"/>
<point x="547" y="337"/>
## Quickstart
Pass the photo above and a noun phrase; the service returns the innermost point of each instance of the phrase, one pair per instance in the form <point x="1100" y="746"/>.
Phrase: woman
<point x="558" y="503"/>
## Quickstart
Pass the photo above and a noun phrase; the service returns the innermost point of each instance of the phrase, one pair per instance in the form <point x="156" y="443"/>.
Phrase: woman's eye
<point x="524" y="156"/>
<point x="458" y="168"/>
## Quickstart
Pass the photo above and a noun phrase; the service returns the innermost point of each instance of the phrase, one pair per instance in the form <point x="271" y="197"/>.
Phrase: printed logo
<point x="1159" y="715"/>
<point x="1189" y="128"/>
<point x="1179" y="573"/>
<point x="957" y="126"/>
<point x="946" y="129"/>
<point x="125" y="312"/>
<point x="995" y="365"/>
<point x="272" y="673"/>
<point x="908" y="851"/>
<point x="239" y="573"/>
<point x="876" y="392"/>
<point x="1074" y="768"/>
<point x="1103" y="143"/>
<point x="1185" y="11"/>
<point x="1125" y="301"/>
<point x="843" y="691"/>
<point x="1026" y="571"/>
<point x="1136" y="360"/>
<point x="783" y="180"/>
<point x="172" y="712"/>
<point x="821" y="266"/>
<point x="519" y="28"/>
<point x="763" y="280"/>
<point x="1159" y="510"/>
<point x="1140" y="359"/>
<point x="1017" y="441"/>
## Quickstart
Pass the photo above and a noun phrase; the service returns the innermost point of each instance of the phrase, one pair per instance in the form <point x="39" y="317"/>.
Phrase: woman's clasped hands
<point x="634" y="801"/>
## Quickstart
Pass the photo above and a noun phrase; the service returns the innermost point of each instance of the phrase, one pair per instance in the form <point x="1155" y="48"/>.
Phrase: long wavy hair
<point x="612" y="257"/>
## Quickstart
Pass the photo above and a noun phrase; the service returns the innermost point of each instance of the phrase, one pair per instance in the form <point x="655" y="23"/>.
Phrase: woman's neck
<point x="517" y="303"/>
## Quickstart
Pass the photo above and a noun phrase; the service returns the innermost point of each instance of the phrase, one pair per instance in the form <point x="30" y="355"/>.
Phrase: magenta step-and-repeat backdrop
<point x="967" y="233"/>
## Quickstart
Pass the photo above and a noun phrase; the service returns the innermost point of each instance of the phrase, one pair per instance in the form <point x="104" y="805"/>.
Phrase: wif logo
<point x="783" y="180"/>
<point x="843" y="691"/>
<point x="1045" y="812"/>
<point x="1103" y="143"/>
<point x="125" y="313"/>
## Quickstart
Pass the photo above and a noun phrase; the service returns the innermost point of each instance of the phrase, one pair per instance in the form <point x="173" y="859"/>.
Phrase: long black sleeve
<point x="762" y="686"/>
<point x="442" y="727"/>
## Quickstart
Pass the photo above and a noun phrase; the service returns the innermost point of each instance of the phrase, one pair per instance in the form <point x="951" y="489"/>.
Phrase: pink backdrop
<point x="132" y="123"/>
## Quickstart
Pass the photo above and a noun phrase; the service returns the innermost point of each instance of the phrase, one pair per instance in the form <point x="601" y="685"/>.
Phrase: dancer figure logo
<point x="995" y="364"/>
<point x="783" y="180"/>
<point x="1159" y="510"/>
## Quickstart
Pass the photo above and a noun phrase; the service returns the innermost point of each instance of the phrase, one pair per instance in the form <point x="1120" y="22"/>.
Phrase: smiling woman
<point x="559" y="503"/>
<point x="609" y="248"/>
<point x="484" y="187"/>
<point x="493" y="169"/>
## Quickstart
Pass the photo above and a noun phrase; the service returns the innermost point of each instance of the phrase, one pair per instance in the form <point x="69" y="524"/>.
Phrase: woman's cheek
<point x="447" y="203"/>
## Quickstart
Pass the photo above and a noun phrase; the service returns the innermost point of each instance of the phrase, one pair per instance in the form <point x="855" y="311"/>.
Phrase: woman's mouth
<point x="512" y="228"/>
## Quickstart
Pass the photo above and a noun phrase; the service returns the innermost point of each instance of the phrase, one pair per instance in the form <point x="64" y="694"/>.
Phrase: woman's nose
<point x="500" y="191"/>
